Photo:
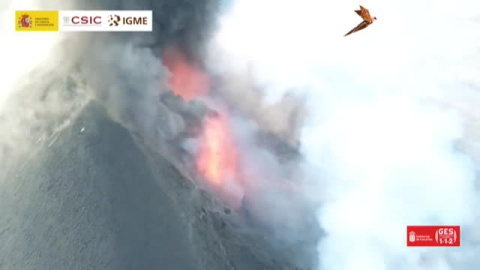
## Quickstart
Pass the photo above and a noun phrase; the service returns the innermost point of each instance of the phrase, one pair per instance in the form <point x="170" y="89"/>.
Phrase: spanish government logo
<point x="36" y="20"/>
<point x="25" y="21"/>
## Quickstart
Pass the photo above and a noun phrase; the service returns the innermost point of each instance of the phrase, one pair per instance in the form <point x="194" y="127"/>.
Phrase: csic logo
<point x="82" y="20"/>
<point x="116" y="20"/>
<point x="25" y="21"/>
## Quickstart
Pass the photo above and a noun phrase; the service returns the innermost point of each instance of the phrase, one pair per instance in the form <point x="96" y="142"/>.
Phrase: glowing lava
<point x="186" y="80"/>
<point x="217" y="160"/>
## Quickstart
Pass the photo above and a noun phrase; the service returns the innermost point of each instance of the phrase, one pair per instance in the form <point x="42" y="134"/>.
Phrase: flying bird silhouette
<point x="367" y="20"/>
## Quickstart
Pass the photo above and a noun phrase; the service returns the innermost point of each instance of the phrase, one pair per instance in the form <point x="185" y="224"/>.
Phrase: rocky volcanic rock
<point x="93" y="199"/>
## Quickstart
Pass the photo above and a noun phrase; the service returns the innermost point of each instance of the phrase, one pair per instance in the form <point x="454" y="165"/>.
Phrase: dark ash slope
<point x="94" y="200"/>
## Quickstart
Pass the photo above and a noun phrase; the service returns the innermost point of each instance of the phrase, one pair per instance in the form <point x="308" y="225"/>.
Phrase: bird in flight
<point x="367" y="20"/>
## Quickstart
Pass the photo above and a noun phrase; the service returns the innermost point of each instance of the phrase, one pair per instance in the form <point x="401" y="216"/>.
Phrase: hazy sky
<point x="410" y="42"/>
<point x="383" y="157"/>
<point x="21" y="52"/>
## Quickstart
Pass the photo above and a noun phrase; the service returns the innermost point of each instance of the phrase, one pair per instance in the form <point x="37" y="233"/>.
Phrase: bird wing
<point x="359" y="27"/>
<point x="359" y="13"/>
<point x="365" y="14"/>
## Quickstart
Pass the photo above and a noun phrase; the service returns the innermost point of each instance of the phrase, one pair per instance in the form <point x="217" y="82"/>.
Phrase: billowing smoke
<point x="381" y="153"/>
<point x="133" y="77"/>
<point x="49" y="77"/>
<point x="257" y="174"/>
<point x="284" y="117"/>
<point x="38" y="95"/>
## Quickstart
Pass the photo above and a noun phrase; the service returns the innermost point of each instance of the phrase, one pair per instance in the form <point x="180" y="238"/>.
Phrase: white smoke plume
<point x="381" y="153"/>
<point x="49" y="77"/>
<point x="283" y="117"/>
<point x="369" y="141"/>
<point x="38" y="95"/>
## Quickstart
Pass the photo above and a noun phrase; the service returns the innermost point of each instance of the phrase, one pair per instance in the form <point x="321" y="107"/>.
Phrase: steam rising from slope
<point x="380" y="157"/>
<point x="368" y="142"/>
<point x="122" y="72"/>
<point x="116" y="69"/>
<point x="38" y="97"/>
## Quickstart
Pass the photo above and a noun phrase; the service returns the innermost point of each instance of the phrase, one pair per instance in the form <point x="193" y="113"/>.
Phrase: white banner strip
<point x="105" y="20"/>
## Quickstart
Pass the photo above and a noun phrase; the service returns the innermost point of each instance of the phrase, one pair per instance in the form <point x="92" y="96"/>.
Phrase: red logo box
<point x="433" y="236"/>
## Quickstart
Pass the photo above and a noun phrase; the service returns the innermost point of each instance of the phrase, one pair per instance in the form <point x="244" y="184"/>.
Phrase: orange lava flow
<point x="217" y="160"/>
<point x="186" y="80"/>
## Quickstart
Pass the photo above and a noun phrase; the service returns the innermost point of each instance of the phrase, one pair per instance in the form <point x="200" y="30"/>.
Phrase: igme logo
<point x="115" y="20"/>
<point x="135" y="20"/>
